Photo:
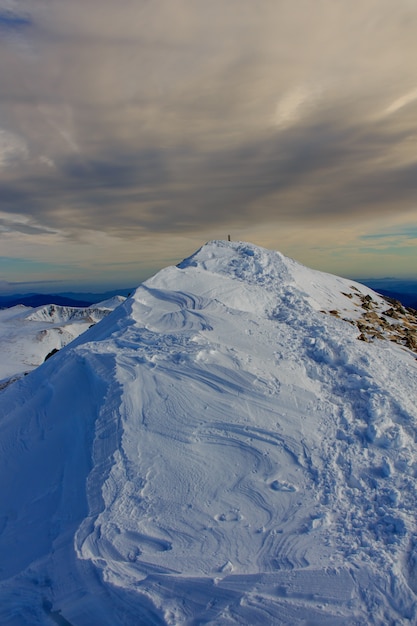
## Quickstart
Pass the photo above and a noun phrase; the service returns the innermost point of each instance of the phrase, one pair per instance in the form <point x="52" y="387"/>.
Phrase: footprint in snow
<point x="146" y="543"/>
<point x="226" y="568"/>
<point x="277" y="485"/>
<point x="230" y="516"/>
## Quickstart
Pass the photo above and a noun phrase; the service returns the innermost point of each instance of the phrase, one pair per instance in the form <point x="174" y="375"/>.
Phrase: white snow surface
<point x="28" y="335"/>
<point x="216" y="451"/>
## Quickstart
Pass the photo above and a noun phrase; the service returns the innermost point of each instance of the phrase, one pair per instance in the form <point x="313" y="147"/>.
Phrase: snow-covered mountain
<point x="234" y="444"/>
<point x="28" y="335"/>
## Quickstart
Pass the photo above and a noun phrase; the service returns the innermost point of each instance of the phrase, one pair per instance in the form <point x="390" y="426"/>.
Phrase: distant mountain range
<point x="404" y="290"/>
<point x="62" y="299"/>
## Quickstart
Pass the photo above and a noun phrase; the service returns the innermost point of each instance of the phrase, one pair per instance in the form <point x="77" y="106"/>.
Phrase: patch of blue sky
<point x="12" y="264"/>
<point x="408" y="232"/>
<point x="395" y="250"/>
<point x="14" y="21"/>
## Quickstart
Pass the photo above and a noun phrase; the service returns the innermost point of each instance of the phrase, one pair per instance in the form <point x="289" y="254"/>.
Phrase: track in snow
<point x="244" y="460"/>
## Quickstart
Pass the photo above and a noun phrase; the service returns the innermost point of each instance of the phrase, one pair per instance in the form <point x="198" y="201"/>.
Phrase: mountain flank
<point x="222" y="448"/>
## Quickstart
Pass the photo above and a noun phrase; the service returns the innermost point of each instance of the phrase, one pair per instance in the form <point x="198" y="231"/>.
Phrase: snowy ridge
<point x="63" y="314"/>
<point x="232" y="455"/>
<point x="29" y="335"/>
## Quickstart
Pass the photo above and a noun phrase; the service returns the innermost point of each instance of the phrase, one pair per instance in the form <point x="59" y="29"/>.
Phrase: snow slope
<point x="28" y="335"/>
<point x="219" y="450"/>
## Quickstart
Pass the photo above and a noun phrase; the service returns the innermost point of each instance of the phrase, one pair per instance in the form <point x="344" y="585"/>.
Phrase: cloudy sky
<point x="132" y="131"/>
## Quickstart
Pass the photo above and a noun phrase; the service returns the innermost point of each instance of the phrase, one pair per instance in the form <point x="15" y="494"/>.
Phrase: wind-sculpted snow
<point x="218" y="450"/>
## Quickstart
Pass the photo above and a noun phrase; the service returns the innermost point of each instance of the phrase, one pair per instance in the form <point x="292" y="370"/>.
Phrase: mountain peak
<point x="220" y="448"/>
<point x="241" y="260"/>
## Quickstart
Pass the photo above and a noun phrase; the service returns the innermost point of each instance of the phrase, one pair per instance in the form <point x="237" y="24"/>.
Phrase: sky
<point x="133" y="131"/>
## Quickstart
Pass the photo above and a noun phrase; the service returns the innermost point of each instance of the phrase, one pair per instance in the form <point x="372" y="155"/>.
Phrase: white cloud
<point x="401" y="102"/>
<point x="294" y="105"/>
<point x="10" y="222"/>
<point x="47" y="161"/>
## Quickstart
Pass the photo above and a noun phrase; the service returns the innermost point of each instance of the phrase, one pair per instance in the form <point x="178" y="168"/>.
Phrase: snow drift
<point x="221" y="449"/>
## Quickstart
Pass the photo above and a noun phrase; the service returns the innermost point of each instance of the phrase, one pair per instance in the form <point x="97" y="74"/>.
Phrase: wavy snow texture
<point x="231" y="456"/>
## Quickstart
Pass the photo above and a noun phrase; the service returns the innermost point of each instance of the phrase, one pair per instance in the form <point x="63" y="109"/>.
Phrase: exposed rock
<point x="373" y="323"/>
<point x="51" y="353"/>
<point x="391" y="313"/>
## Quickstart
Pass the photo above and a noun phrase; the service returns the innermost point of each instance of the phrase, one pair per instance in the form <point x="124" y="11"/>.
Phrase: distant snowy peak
<point x="28" y="335"/>
<point x="62" y="314"/>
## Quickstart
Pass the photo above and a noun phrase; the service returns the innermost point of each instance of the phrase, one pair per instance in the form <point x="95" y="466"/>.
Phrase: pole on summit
<point x="228" y="237"/>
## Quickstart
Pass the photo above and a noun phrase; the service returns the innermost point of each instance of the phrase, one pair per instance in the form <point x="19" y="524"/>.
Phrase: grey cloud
<point x="122" y="171"/>
<point x="324" y="170"/>
<point x="159" y="116"/>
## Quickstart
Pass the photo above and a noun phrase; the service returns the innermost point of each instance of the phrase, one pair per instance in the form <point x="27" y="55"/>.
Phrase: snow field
<point x="232" y="455"/>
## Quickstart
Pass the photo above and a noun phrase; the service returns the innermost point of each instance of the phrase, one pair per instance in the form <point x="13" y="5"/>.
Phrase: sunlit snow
<point x="221" y="449"/>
